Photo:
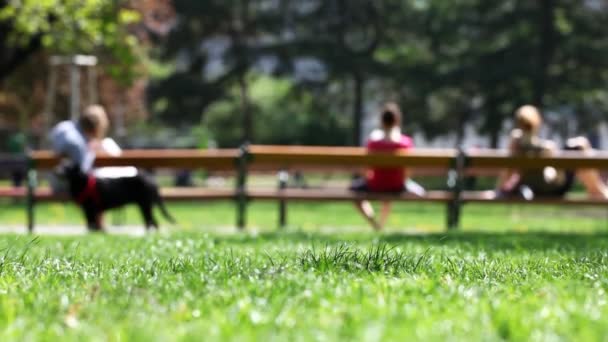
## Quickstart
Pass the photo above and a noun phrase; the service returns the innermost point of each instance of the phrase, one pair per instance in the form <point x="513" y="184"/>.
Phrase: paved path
<point x="134" y="230"/>
<point x="74" y="230"/>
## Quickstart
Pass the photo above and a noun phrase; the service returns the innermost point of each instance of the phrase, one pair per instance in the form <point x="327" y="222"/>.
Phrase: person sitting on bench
<point x="548" y="181"/>
<point x="388" y="138"/>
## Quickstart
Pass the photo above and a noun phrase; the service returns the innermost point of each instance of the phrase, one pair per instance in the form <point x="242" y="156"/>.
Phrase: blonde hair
<point x="94" y="121"/>
<point x="528" y="119"/>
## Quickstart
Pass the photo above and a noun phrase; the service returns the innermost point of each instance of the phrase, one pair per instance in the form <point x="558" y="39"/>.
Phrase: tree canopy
<point x="68" y="27"/>
<point x="326" y="63"/>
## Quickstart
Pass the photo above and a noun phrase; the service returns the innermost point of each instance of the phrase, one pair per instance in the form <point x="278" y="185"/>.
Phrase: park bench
<point x="41" y="161"/>
<point x="455" y="164"/>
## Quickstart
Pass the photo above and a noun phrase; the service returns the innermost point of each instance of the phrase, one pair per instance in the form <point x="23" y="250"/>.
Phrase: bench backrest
<point x="264" y="157"/>
<point x="437" y="158"/>
<point x="220" y="159"/>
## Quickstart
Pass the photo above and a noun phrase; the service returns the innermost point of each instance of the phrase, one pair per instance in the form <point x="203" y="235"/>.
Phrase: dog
<point x="96" y="195"/>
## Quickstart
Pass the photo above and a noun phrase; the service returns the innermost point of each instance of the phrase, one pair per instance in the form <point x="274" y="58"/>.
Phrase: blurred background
<point x="215" y="73"/>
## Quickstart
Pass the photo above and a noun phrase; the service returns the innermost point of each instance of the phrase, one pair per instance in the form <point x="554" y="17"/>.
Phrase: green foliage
<point x="283" y="114"/>
<point x="447" y="62"/>
<point x="97" y="27"/>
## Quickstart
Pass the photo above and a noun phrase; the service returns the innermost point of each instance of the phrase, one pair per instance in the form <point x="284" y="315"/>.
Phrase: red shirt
<point x="387" y="179"/>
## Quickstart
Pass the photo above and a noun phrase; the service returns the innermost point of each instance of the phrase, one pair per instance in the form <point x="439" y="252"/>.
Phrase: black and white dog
<point x="96" y="195"/>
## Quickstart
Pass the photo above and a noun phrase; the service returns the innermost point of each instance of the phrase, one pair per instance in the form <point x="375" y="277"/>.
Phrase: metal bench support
<point x="241" y="187"/>
<point x="455" y="185"/>
<point x="31" y="198"/>
<point x="283" y="179"/>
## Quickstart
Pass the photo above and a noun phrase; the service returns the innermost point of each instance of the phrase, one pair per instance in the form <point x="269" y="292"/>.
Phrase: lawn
<point x="489" y="281"/>
<point x="340" y="217"/>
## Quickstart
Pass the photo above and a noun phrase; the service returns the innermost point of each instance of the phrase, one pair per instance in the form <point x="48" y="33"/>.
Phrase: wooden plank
<point x="486" y="197"/>
<point x="343" y="195"/>
<point x="290" y="156"/>
<point x="563" y="160"/>
<point x="220" y="159"/>
<point x="45" y="194"/>
<point x="268" y="169"/>
<point x="198" y="194"/>
<point x="432" y="196"/>
<point x="346" y="157"/>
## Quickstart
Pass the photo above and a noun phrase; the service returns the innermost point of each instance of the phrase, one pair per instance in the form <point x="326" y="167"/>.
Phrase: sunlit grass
<point x="302" y="286"/>
<point x="512" y="272"/>
<point x="313" y="217"/>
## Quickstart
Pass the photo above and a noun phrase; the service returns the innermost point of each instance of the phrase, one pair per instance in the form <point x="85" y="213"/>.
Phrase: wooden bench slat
<point x="221" y="159"/>
<point x="191" y="194"/>
<point x="288" y="156"/>
<point x="342" y="195"/>
<point x="45" y="194"/>
<point x="500" y="159"/>
<point x="484" y="197"/>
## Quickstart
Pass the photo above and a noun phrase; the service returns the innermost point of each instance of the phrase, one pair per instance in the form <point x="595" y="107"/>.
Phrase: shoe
<point x="526" y="193"/>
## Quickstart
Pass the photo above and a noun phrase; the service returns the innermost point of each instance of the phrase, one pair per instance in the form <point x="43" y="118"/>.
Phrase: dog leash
<point x="89" y="192"/>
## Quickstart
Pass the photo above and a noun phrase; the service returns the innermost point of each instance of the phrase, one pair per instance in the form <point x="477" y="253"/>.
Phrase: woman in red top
<point x="388" y="138"/>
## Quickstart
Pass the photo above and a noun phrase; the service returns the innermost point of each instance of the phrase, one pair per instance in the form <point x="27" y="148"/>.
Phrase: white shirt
<point x="109" y="146"/>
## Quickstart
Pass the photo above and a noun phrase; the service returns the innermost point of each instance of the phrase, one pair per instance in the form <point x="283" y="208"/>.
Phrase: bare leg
<point x="589" y="177"/>
<point x="365" y="207"/>
<point x="386" y="210"/>
<point x="593" y="183"/>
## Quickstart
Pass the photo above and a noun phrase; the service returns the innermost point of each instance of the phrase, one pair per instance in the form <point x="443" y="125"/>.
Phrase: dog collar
<point x="89" y="192"/>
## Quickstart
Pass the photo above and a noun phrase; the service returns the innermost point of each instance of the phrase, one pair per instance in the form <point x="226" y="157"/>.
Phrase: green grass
<point x="512" y="273"/>
<point x="313" y="217"/>
<point x="301" y="286"/>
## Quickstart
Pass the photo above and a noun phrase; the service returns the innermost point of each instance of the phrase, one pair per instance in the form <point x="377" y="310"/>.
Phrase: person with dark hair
<point x="387" y="138"/>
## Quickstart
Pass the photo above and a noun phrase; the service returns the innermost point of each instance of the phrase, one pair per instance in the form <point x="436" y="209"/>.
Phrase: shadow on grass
<point x="483" y="240"/>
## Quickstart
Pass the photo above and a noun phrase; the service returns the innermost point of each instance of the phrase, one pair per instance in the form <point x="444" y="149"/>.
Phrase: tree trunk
<point x="13" y="56"/>
<point x="495" y="119"/>
<point x="246" y="109"/>
<point x="359" y="83"/>
<point x="546" y="49"/>
<point x="239" y="33"/>
<point x="463" y="118"/>
<point x="494" y="137"/>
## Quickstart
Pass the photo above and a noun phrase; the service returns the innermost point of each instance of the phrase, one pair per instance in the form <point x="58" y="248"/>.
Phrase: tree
<point x="68" y="27"/>
<point x="449" y="64"/>
<point x="31" y="31"/>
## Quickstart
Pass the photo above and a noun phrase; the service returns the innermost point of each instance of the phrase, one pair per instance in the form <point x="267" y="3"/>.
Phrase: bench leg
<point x="456" y="184"/>
<point x="241" y="188"/>
<point x="283" y="179"/>
<point x="453" y="215"/>
<point x="241" y="212"/>
<point x="30" y="200"/>
<point x="282" y="214"/>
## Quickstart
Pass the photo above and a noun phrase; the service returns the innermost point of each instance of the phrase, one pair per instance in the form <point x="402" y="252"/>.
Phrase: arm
<point x="109" y="146"/>
<point x="79" y="154"/>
